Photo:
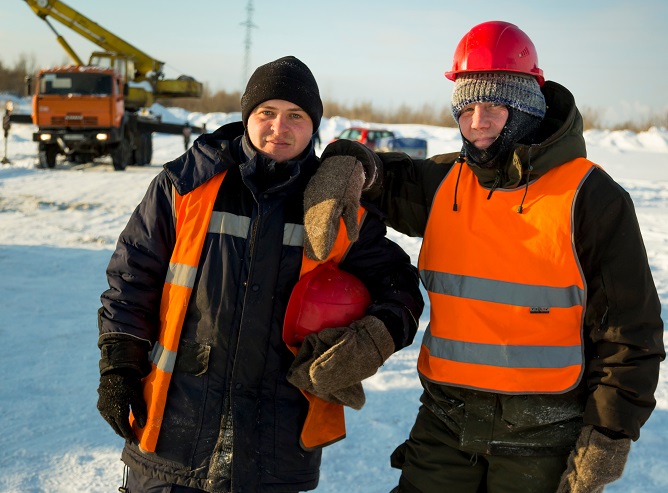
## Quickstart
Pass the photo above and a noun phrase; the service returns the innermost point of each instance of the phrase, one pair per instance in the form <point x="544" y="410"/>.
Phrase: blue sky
<point x="611" y="54"/>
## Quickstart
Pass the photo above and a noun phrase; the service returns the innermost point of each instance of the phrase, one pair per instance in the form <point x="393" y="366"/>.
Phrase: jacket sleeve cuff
<point x="398" y="321"/>
<point x="124" y="354"/>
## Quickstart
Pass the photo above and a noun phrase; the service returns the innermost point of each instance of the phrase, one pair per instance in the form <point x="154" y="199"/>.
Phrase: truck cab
<point x="79" y="112"/>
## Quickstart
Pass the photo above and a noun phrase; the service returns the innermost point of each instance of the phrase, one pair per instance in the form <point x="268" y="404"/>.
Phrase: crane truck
<point x="85" y="111"/>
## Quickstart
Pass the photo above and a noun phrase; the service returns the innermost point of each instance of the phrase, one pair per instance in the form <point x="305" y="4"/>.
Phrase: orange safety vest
<point x="506" y="290"/>
<point x="325" y="421"/>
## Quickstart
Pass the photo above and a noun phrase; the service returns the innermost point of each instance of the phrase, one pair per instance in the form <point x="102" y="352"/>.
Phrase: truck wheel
<point x="47" y="155"/>
<point x="148" y="148"/>
<point x="121" y="155"/>
<point x="144" y="150"/>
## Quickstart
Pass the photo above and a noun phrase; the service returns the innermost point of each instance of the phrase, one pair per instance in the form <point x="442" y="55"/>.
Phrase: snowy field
<point x="58" y="230"/>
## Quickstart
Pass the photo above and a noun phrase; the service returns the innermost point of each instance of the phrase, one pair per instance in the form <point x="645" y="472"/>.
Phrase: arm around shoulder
<point x="405" y="191"/>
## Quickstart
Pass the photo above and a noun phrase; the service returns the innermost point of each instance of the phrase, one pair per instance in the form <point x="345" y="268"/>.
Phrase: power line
<point x="247" y="43"/>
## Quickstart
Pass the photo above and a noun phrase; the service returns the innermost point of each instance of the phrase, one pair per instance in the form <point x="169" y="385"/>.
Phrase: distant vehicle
<point x="366" y="136"/>
<point x="416" y="148"/>
<point x="86" y="111"/>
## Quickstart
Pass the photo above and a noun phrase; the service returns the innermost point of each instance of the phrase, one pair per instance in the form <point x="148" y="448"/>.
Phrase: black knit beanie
<point x="286" y="78"/>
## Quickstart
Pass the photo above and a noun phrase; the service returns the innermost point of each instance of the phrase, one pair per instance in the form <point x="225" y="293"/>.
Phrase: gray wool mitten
<point x="596" y="461"/>
<point x="334" y="192"/>
<point x="352" y="396"/>
<point x="332" y="363"/>
<point x="312" y="348"/>
<point x="357" y="354"/>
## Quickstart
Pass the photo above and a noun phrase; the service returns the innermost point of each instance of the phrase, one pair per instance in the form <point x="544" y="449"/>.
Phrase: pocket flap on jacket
<point x="192" y="358"/>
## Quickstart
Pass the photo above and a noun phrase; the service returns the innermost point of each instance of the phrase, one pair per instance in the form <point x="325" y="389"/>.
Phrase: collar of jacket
<point x="264" y="175"/>
<point x="220" y="150"/>
<point x="559" y="140"/>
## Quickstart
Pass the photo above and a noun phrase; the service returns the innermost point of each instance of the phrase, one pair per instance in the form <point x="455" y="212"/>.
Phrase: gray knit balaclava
<point x="522" y="96"/>
<point x="287" y="78"/>
<point x="516" y="90"/>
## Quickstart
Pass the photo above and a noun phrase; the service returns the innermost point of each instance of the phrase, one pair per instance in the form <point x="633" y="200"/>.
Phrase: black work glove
<point x="332" y="363"/>
<point x="118" y="392"/>
<point x="596" y="461"/>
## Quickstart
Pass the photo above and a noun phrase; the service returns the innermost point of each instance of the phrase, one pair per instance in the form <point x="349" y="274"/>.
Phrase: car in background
<point x="367" y="136"/>
<point x="416" y="148"/>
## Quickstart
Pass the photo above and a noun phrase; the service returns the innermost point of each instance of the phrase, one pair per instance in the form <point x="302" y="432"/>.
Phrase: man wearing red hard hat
<point x="542" y="355"/>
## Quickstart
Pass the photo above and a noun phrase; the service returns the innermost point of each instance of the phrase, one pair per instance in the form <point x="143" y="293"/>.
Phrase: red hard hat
<point x="324" y="297"/>
<point x="496" y="45"/>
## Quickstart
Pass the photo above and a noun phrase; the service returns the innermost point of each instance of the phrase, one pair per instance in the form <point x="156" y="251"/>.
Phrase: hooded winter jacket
<point x="230" y="371"/>
<point x="622" y="328"/>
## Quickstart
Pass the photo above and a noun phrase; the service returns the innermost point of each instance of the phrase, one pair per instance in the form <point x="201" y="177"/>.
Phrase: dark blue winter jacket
<point x="231" y="354"/>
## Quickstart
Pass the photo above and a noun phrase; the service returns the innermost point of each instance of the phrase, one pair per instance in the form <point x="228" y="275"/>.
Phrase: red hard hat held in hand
<point x="323" y="298"/>
<point x="496" y="45"/>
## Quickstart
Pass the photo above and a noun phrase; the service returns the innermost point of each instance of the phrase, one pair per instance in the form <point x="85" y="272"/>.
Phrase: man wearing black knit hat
<point x="195" y="362"/>
<point x="541" y="357"/>
<point x="286" y="78"/>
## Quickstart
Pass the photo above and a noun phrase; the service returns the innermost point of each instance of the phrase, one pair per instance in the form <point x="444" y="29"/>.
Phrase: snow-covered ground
<point x="57" y="231"/>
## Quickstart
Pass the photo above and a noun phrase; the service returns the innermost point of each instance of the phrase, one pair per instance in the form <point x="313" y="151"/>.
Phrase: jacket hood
<point x="209" y="155"/>
<point x="559" y="139"/>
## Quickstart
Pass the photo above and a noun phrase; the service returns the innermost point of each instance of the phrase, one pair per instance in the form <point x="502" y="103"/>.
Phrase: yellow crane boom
<point x="135" y="65"/>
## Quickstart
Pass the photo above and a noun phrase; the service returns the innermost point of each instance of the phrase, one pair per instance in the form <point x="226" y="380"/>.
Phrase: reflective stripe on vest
<point x="506" y="290"/>
<point x="194" y="219"/>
